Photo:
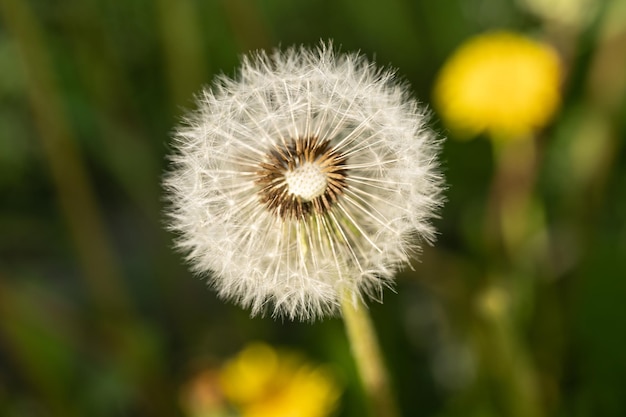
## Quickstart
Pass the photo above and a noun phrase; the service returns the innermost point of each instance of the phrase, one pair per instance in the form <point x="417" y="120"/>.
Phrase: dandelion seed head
<point x="308" y="174"/>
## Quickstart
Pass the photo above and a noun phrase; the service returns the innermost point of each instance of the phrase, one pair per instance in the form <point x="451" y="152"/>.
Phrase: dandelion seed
<point x="309" y="174"/>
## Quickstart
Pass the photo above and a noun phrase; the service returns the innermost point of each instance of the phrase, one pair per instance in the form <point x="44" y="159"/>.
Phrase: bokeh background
<point x="100" y="317"/>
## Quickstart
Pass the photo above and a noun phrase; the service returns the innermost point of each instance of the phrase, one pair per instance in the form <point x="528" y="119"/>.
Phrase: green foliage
<point x="99" y="316"/>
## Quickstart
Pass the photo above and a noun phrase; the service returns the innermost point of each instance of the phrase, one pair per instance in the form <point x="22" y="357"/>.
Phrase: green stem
<point x="507" y="357"/>
<point x="367" y="354"/>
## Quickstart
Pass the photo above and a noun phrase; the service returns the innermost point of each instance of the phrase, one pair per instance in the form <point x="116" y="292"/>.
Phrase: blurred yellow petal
<point x="500" y="83"/>
<point x="262" y="382"/>
<point x="248" y="376"/>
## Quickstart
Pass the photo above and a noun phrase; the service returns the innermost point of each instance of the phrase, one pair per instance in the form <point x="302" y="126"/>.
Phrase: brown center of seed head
<point x="302" y="178"/>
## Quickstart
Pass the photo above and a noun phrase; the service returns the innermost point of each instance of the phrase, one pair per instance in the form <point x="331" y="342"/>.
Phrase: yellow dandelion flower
<point x="500" y="83"/>
<point x="262" y="382"/>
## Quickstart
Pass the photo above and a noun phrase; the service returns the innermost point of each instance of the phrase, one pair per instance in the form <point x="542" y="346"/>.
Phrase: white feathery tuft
<point x="309" y="174"/>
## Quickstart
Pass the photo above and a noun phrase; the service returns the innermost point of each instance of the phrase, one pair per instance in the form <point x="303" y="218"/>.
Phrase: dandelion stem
<point x="367" y="354"/>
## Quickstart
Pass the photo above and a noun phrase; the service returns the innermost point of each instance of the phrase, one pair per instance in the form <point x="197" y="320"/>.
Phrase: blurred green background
<point x="100" y="317"/>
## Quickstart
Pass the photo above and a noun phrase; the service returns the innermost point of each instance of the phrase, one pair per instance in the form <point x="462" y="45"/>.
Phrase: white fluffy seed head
<point x="309" y="174"/>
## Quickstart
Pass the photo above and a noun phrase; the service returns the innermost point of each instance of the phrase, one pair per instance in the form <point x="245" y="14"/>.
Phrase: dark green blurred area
<point x="100" y="317"/>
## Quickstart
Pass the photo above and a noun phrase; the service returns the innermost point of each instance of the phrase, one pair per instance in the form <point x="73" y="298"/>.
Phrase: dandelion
<point x="500" y="83"/>
<point x="261" y="381"/>
<point x="306" y="177"/>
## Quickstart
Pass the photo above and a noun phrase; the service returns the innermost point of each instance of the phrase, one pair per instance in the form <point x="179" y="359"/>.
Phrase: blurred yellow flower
<point x="263" y="382"/>
<point x="500" y="83"/>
